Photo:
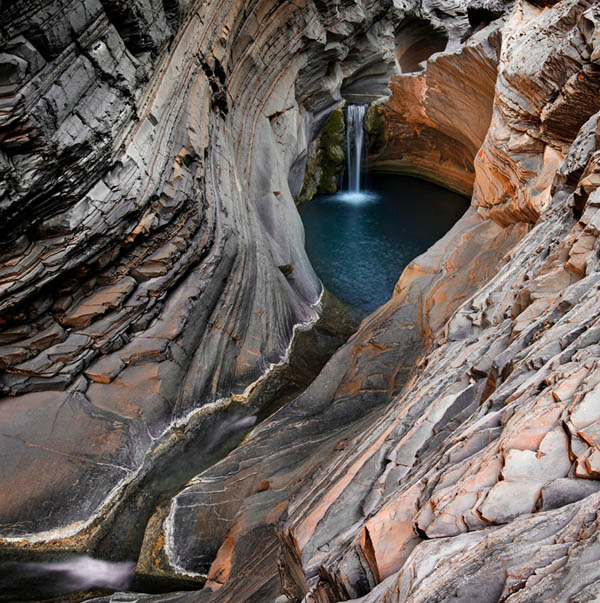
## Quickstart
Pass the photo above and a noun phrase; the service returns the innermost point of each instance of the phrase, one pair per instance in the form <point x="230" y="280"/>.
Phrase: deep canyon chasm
<point x="169" y="389"/>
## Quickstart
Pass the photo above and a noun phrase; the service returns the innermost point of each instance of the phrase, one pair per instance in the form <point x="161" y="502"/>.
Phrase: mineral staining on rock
<point x="375" y="128"/>
<point x="442" y="435"/>
<point x="436" y="118"/>
<point x="149" y="158"/>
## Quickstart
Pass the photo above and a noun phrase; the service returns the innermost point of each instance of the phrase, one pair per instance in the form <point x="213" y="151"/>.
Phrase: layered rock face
<point x="441" y="106"/>
<point x="152" y="264"/>
<point x="449" y="450"/>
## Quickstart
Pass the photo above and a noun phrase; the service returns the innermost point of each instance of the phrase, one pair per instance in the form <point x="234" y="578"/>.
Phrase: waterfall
<point x="354" y="144"/>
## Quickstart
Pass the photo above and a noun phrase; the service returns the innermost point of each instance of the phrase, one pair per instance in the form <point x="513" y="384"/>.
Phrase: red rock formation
<point x="436" y="119"/>
<point x="448" y="451"/>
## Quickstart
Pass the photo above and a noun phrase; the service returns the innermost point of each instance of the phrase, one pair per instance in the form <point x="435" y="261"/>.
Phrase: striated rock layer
<point x="449" y="450"/>
<point x="440" y="108"/>
<point x="152" y="268"/>
<point x="434" y="122"/>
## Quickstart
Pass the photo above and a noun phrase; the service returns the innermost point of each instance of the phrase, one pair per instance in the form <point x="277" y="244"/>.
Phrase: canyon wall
<point x="440" y="106"/>
<point x="447" y="452"/>
<point x="153" y="270"/>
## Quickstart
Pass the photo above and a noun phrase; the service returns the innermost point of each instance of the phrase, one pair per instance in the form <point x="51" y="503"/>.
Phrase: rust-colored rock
<point x="435" y="120"/>
<point x="450" y="450"/>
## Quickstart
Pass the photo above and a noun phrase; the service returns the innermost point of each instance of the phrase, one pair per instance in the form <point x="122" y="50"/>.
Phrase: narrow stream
<point x="206" y="439"/>
<point x="34" y="581"/>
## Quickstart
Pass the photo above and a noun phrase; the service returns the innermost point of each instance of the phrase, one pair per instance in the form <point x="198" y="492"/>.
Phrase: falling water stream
<point x="354" y="145"/>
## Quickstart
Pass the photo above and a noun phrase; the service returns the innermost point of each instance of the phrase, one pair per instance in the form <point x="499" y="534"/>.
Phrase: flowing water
<point x="359" y="242"/>
<point x="354" y="145"/>
<point x="33" y="581"/>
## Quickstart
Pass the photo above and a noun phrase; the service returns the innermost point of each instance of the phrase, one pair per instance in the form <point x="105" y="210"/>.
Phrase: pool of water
<point x="359" y="243"/>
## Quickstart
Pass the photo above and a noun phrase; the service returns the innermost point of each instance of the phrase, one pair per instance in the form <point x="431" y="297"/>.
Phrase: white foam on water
<point x="356" y="197"/>
<point x="86" y="572"/>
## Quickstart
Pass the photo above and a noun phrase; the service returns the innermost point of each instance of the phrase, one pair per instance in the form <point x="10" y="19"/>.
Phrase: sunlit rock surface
<point x="440" y="110"/>
<point x="450" y="450"/>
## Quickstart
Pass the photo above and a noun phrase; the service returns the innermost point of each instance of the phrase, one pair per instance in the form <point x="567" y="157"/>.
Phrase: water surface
<point x="359" y="242"/>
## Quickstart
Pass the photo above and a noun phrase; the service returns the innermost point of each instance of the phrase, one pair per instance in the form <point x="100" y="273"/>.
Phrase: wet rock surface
<point x="325" y="160"/>
<point x="153" y="269"/>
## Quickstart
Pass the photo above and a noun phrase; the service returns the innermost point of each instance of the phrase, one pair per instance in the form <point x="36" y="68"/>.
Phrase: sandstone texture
<point x="154" y="271"/>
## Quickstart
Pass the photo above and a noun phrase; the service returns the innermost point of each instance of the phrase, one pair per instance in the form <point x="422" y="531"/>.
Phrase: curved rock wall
<point x="437" y="116"/>
<point x="152" y="262"/>
<point x="543" y="98"/>
<point x="448" y="451"/>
